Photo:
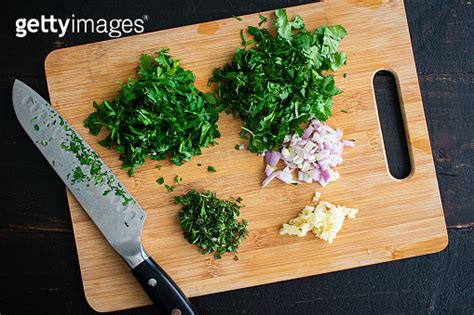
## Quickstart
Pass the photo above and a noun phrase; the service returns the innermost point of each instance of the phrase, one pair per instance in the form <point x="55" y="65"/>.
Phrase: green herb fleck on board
<point x="237" y="147"/>
<point x="169" y="188"/>
<point x="244" y="40"/>
<point x="178" y="179"/>
<point x="344" y="111"/>
<point x="37" y="128"/>
<point x="263" y="19"/>
<point x="211" y="169"/>
<point x="345" y="75"/>
<point x="160" y="180"/>
<point x="238" y="18"/>
<point x="106" y="192"/>
<point x="44" y="143"/>
<point x="199" y="164"/>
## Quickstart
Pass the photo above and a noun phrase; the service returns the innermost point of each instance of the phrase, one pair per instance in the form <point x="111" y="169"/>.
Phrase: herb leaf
<point x="263" y="19"/>
<point x="211" y="169"/>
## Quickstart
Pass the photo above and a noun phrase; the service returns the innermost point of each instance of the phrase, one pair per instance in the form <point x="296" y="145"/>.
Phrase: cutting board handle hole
<point x="392" y="123"/>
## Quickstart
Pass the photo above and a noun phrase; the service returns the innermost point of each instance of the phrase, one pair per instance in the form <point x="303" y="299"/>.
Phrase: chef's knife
<point x="107" y="202"/>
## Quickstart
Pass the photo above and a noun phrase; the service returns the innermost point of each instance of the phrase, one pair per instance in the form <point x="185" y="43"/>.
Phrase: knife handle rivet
<point x="152" y="282"/>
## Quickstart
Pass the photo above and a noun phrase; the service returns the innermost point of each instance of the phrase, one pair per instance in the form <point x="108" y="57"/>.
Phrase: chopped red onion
<point x="314" y="154"/>
<point x="349" y="143"/>
<point x="270" y="178"/>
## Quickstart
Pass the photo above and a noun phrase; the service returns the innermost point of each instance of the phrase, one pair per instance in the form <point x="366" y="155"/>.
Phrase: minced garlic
<point x="325" y="220"/>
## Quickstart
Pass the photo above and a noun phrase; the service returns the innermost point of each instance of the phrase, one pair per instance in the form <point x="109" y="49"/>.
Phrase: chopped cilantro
<point x="160" y="180"/>
<point x="37" y="128"/>
<point x="281" y="82"/>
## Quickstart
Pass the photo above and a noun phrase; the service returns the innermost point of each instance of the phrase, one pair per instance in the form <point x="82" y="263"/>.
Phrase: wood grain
<point x="397" y="219"/>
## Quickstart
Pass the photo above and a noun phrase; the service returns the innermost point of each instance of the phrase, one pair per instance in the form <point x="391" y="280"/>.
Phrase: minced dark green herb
<point x="199" y="164"/>
<point x="211" y="223"/>
<point x="178" y="179"/>
<point x="344" y="111"/>
<point x="281" y="82"/>
<point x="211" y="169"/>
<point x="37" y="128"/>
<point x="263" y="19"/>
<point x="160" y="180"/>
<point x="159" y="115"/>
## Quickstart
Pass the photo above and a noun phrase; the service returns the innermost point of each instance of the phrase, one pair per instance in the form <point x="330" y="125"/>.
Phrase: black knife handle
<point x="162" y="290"/>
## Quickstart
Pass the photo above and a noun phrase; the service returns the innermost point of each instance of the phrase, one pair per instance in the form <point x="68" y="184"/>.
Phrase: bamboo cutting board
<point x="397" y="218"/>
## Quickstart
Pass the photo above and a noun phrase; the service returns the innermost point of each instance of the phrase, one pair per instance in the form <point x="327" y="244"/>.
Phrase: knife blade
<point x="107" y="202"/>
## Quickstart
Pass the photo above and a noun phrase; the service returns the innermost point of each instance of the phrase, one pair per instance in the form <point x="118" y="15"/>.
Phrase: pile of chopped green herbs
<point x="211" y="223"/>
<point x="282" y="81"/>
<point x="160" y="115"/>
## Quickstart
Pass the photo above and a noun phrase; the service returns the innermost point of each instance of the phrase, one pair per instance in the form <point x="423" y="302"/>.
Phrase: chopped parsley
<point x="211" y="169"/>
<point x="281" y="82"/>
<point x="160" y="115"/>
<point x="211" y="223"/>
<point x="87" y="157"/>
<point x="160" y="180"/>
<point x="169" y="188"/>
<point x="263" y="19"/>
<point x="37" y="128"/>
<point x="178" y="179"/>
<point x="78" y="175"/>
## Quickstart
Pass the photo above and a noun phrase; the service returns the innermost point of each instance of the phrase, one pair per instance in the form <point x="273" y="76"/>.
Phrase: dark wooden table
<point x="39" y="271"/>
